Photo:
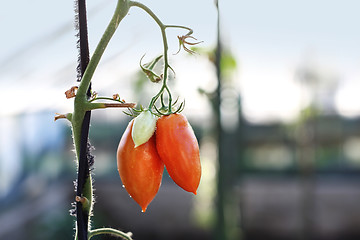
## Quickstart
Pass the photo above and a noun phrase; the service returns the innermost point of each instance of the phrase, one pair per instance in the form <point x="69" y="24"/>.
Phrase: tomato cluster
<point x="173" y="144"/>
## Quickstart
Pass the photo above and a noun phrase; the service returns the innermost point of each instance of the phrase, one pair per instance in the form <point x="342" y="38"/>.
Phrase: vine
<point x="85" y="100"/>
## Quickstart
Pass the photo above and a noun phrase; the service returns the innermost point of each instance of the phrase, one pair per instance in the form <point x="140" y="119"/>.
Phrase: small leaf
<point x="147" y="69"/>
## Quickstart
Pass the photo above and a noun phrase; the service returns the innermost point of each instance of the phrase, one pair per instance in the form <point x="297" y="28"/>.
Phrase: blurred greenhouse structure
<point x="280" y="146"/>
<point x="280" y="186"/>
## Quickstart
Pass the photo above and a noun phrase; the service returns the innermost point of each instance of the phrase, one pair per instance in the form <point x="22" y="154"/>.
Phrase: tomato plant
<point x="140" y="168"/>
<point x="178" y="149"/>
<point x="139" y="164"/>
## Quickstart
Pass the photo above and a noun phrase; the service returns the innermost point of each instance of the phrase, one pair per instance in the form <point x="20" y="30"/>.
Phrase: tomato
<point x="140" y="168"/>
<point x="179" y="150"/>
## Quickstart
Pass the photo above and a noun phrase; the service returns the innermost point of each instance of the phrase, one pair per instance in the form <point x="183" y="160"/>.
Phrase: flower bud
<point x="144" y="127"/>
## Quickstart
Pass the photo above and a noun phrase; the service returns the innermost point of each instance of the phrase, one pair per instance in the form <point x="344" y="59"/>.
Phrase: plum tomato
<point x="178" y="148"/>
<point x="140" y="168"/>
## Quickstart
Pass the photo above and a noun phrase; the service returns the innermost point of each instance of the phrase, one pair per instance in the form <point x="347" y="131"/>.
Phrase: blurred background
<point x="272" y="95"/>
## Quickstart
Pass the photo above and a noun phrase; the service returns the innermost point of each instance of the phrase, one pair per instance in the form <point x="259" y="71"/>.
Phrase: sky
<point x="271" y="40"/>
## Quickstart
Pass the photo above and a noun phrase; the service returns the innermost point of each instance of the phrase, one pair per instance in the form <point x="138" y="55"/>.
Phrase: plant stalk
<point x="83" y="179"/>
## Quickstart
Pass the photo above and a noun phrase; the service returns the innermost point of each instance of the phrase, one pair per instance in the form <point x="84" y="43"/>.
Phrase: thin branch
<point x="110" y="231"/>
<point x="119" y="105"/>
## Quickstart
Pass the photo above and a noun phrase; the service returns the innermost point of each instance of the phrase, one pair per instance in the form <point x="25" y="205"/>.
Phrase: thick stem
<point x="121" y="10"/>
<point x="81" y="104"/>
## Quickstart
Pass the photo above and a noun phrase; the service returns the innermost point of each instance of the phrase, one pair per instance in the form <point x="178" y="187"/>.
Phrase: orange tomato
<point x="179" y="150"/>
<point x="140" y="168"/>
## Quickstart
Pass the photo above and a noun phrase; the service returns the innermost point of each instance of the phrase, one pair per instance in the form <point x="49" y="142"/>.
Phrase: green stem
<point x="110" y="231"/>
<point x="81" y="104"/>
<point x="179" y="26"/>
<point x="166" y="61"/>
<point x="121" y="11"/>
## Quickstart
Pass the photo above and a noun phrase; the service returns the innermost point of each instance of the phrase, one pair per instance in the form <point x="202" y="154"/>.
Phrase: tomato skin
<point x="178" y="148"/>
<point x="140" y="168"/>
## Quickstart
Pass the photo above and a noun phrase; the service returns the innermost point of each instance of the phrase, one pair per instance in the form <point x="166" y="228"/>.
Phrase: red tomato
<point x="140" y="168"/>
<point x="179" y="150"/>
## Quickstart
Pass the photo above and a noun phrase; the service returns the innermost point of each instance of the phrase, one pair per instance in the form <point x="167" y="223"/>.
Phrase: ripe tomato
<point x="179" y="150"/>
<point x="140" y="168"/>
